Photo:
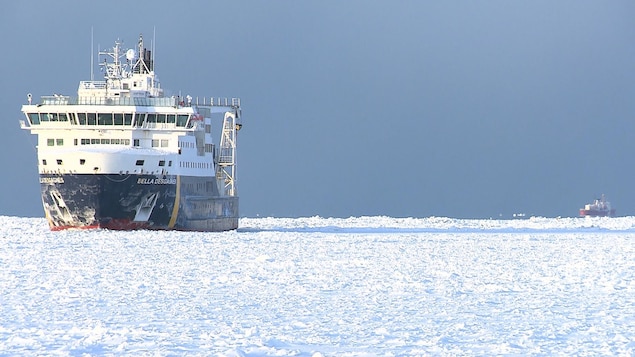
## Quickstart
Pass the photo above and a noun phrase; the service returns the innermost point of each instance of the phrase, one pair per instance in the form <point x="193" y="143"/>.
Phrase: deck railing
<point x="141" y="101"/>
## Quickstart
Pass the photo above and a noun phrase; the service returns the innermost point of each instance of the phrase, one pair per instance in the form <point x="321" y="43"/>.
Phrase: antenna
<point x="92" y="61"/>
<point x="99" y="51"/>
<point x="154" y="41"/>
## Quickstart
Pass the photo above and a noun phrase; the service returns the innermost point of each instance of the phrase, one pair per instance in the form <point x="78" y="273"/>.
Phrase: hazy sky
<point x="400" y="108"/>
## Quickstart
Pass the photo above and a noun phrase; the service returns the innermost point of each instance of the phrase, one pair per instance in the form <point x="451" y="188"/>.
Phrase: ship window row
<point x="179" y="119"/>
<point x="83" y="162"/>
<point x="110" y="118"/>
<point x="105" y="142"/>
<point x="195" y="165"/>
<point x="54" y="142"/>
<point x="104" y="118"/>
<point x="36" y="118"/>
<point x="159" y="143"/>
<point x="185" y="144"/>
<point x="161" y="162"/>
<point x="60" y="142"/>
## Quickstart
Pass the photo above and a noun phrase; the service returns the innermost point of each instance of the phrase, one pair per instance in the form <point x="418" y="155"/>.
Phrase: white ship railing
<point x="140" y="101"/>
<point x="219" y="102"/>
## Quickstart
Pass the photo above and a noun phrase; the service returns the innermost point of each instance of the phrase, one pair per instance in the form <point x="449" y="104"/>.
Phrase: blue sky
<point x="407" y="108"/>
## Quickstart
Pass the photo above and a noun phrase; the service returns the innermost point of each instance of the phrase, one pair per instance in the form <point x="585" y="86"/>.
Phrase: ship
<point x="122" y="155"/>
<point x="598" y="208"/>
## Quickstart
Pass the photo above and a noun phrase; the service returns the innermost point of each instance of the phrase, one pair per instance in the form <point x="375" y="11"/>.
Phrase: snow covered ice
<point x="360" y="286"/>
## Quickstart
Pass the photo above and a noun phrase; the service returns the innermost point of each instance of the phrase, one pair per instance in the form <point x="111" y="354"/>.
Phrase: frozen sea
<point x="359" y="286"/>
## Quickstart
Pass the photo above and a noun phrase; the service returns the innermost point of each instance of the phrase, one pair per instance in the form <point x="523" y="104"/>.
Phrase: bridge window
<point x="118" y="119"/>
<point x="181" y="120"/>
<point x="139" y="118"/>
<point x="91" y="118"/>
<point x="152" y="118"/>
<point x="81" y="118"/>
<point x="34" y="118"/>
<point x="104" y="119"/>
<point x="127" y="119"/>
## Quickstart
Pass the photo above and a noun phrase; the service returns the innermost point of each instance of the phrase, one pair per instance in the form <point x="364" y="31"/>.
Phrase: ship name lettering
<point x="51" y="180"/>
<point x="156" y="181"/>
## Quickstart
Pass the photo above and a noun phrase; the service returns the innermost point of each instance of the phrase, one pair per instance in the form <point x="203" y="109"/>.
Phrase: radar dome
<point x="130" y="54"/>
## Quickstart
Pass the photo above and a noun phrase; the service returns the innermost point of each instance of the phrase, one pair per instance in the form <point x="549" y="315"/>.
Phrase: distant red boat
<point x="599" y="208"/>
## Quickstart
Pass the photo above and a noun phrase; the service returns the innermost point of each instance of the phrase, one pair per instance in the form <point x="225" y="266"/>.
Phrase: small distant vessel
<point x="599" y="208"/>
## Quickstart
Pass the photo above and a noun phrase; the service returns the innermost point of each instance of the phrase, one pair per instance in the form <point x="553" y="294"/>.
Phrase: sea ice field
<point x="314" y="286"/>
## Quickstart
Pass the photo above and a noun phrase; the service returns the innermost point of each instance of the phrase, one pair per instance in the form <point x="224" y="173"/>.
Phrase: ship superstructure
<point x="121" y="155"/>
<point x="598" y="208"/>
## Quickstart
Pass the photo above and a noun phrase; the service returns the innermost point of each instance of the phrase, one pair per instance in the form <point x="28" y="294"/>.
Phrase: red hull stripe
<point x="63" y="228"/>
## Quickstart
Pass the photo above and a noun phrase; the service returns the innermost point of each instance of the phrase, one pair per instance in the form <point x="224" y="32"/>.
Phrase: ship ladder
<point x="226" y="167"/>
